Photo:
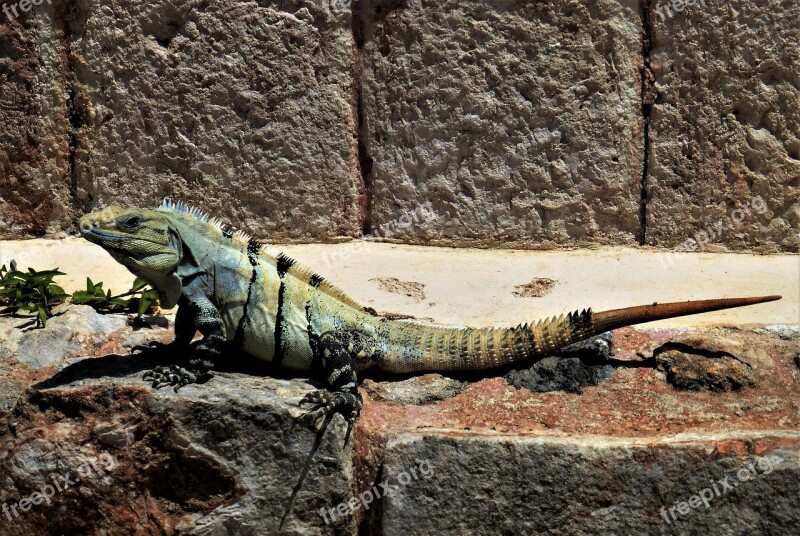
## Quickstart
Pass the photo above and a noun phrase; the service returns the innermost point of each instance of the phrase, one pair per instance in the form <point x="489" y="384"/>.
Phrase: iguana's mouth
<point x="108" y="241"/>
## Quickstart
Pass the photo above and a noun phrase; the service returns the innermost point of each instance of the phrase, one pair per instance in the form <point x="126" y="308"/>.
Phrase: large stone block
<point x="217" y="458"/>
<point x="519" y="121"/>
<point x="547" y="485"/>
<point x="724" y="156"/>
<point x="243" y="109"/>
<point x="35" y="173"/>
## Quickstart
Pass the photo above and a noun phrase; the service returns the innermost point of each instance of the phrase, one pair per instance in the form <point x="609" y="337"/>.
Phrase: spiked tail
<point x="416" y="347"/>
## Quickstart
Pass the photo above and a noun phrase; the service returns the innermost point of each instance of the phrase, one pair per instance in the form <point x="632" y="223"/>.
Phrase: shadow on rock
<point x="122" y="366"/>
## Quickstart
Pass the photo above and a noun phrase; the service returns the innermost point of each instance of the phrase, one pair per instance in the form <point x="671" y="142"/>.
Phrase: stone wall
<point x="523" y="124"/>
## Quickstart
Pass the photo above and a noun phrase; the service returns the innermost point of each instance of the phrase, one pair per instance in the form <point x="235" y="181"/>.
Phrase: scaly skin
<point x="234" y="290"/>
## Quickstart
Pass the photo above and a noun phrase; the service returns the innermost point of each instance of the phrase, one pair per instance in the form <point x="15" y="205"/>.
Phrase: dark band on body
<point x="283" y="264"/>
<point x="253" y="258"/>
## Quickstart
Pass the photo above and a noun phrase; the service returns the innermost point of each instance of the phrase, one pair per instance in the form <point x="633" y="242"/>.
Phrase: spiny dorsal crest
<point x="301" y="272"/>
<point x="182" y="207"/>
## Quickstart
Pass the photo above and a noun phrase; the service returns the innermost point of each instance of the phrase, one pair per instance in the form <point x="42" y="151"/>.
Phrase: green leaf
<point x="138" y="283"/>
<point x="144" y="305"/>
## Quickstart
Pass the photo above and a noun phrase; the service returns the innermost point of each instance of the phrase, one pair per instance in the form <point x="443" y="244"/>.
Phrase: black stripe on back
<point x="252" y="247"/>
<point x="227" y="232"/>
<point x="239" y="337"/>
<point x="280" y="343"/>
<point x="315" y="280"/>
<point x="313" y="341"/>
<point x="283" y="264"/>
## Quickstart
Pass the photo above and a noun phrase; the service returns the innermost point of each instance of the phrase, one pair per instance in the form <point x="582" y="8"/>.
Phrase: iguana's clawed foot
<point x="150" y="346"/>
<point x="326" y="402"/>
<point x="177" y="376"/>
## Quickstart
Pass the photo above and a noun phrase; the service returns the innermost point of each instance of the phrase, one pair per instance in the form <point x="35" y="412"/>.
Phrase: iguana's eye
<point x="132" y="222"/>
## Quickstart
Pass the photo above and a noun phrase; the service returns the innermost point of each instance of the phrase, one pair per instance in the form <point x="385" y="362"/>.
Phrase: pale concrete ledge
<point x="476" y="287"/>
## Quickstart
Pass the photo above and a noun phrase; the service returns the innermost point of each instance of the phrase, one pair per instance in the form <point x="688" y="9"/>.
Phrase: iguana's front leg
<point x="195" y="313"/>
<point x="185" y="330"/>
<point x="335" y="356"/>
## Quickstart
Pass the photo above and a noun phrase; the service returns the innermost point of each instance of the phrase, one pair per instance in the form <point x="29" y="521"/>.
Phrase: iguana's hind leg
<point x="342" y="395"/>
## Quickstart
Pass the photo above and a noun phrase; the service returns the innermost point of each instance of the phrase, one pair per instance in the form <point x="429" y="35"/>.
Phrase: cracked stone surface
<point x="518" y="124"/>
<point x="696" y="362"/>
<point x="501" y="485"/>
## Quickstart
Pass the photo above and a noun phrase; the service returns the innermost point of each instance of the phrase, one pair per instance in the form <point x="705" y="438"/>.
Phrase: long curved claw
<point x="325" y="403"/>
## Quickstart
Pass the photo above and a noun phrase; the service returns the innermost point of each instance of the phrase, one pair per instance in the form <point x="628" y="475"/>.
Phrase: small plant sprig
<point x="35" y="292"/>
<point x="139" y="298"/>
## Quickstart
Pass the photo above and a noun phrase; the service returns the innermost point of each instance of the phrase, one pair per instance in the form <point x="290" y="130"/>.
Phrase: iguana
<point x="234" y="290"/>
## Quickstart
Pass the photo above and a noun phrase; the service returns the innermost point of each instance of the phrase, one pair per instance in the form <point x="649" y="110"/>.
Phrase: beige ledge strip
<point x="476" y="286"/>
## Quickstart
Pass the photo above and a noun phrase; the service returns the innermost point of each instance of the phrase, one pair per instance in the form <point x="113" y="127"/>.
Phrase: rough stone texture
<point x="582" y="365"/>
<point x="509" y="122"/>
<point x="538" y="485"/>
<point x="35" y="176"/>
<point x="519" y="121"/>
<point x="243" y="109"/>
<point x="725" y="125"/>
<point x="30" y="355"/>
<point x="697" y="362"/>
<point x="508" y="461"/>
<point x="219" y="458"/>
<point x="423" y="389"/>
<point x="222" y="457"/>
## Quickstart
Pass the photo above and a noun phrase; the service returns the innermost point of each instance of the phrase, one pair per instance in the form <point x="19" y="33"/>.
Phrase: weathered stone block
<point x="546" y="485"/>
<point x="35" y="174"/>
<point x="243" y="109"/>
<point x="519" y="121"/>
<point x="216" y="458"/>
<point x="724" y="156"/>
<point x="211" y="459"/>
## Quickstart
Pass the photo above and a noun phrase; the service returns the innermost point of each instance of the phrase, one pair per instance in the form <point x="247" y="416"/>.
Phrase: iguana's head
<point x="144" y="241"/>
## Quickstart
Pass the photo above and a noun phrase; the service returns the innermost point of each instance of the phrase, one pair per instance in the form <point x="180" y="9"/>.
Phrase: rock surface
<point x="724" y="155"/>
<point x="519" y="122"/>
<point x="480" y="456"/>
<point x="35" y="179"/>
<point x="697" y="362"/>
<point x="242" y="109"/>
<point x="218" y="458"/>
<point x="534" y="485"/>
